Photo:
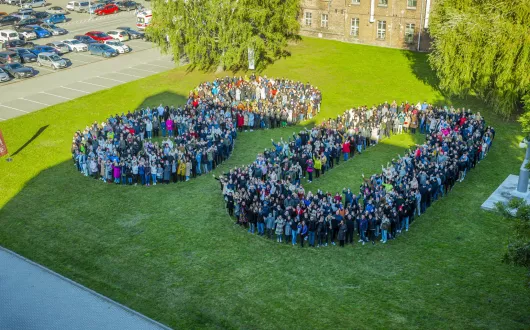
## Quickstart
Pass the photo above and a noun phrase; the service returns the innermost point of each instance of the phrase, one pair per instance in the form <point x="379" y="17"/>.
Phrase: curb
<point x="127" y="309"/>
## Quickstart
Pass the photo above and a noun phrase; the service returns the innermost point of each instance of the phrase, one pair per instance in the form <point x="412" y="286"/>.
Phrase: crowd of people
<point x="169" y="144"/>
<point x="268" y="196"/>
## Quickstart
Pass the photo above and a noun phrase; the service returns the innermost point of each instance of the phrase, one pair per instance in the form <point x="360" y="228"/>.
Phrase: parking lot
<point x="87" y="74"/>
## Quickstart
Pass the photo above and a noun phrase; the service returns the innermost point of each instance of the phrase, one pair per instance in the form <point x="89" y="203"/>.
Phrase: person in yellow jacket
<point x="181" y="172"/>
<point x="317" y="165"/>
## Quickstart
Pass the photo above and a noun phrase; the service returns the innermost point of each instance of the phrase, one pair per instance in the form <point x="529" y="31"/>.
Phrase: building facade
<point x="387" y="23"/>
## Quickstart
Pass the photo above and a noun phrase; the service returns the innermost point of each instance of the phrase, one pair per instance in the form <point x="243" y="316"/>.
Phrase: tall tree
<point x="483" y="46"/>
<point x="221" y="32"/>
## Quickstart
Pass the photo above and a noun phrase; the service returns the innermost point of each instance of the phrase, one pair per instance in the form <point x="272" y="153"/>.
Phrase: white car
<point x="56" y="10"/>
<point x="118" y="45"/>
<point x="119" y="35"/>
<point x="75" y="45"/>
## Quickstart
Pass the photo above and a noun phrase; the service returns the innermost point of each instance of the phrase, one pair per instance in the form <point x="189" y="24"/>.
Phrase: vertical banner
<point x="251" y="64"/>
<point x="3" y="145"/>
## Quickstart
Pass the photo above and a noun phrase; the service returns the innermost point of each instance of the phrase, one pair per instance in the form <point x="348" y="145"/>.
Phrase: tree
<point x="221" y="32"/>
<point x="517" y="211"/>
<point x="483" y="46"/>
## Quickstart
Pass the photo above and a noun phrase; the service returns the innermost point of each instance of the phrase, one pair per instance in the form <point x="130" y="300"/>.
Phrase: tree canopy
<point x="221" y="32"/>
<point x="483" y="46"/>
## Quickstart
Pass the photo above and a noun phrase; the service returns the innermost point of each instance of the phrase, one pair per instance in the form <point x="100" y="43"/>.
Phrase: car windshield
<point x="114" y="43"/>
<point x="54" y="57"/>
<point x="105" y="47"/>
<point x="100" y="35"/>
<point x="83" y="4"/>
<point x="60" y="45"/>
<point x="13" y="35"/>
<point x="23" y="51"/>
<point x="15" y="66"/>
<point x="52" y="26"/>
<point x="74" y="42"/>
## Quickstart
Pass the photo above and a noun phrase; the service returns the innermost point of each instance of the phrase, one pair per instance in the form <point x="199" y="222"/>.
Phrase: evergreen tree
<point x="221" y="32"/>
<point x="483" y="47"/>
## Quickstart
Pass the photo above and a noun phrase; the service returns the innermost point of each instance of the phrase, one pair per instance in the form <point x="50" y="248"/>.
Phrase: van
<point x="34" y="4"/>
<point x="52" y="60"/>
<point x="6" y="35"/>
<point x="78" y="6"/>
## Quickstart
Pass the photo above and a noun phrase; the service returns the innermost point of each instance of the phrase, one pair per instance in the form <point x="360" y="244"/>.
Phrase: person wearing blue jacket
<point x="302" y="229"/>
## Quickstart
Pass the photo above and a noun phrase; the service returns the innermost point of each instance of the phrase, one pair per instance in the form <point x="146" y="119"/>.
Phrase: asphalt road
<point x="87" y="74"/>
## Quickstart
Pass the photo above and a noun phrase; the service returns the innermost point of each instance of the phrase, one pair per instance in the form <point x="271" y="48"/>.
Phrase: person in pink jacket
<point x="169" y="126"/>
<point x="116" y="172"/>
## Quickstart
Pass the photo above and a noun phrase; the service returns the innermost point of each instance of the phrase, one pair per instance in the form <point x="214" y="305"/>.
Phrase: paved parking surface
<point x="87" y="74"/>
<point x="34" y="297"/>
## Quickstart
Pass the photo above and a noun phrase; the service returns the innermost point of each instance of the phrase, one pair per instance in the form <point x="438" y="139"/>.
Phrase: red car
<point x="108" y="9"/>
<point x="98" y="36"/>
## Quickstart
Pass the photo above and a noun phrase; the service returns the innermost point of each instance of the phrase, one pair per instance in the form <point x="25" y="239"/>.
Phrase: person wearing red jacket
<point x="346" y="149"/>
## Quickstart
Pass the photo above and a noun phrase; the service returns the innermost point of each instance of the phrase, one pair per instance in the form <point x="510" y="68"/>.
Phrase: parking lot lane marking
<point x="116" y="80"/>
<point x="35" y="102"/>
<point x="126" y="74"/>
<point x="84" y="82"/>
<point x="160" y="66"/>
<point x="6" y="106"/>
<point x="62" y="97"/>
<point x="73" y="89"/>
<point x="91" y="56"/>
<point x="144" y="70"/>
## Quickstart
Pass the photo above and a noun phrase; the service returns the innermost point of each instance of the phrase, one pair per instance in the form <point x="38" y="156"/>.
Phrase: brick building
<point x="387" y="23"/>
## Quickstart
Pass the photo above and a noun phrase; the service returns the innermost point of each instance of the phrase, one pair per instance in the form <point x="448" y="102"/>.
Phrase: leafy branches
<point x="483" y="46"/>
<point x="220" y="32"/>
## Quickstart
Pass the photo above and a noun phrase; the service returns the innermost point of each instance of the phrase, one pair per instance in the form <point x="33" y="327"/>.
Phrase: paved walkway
<point x="34" y="297"/>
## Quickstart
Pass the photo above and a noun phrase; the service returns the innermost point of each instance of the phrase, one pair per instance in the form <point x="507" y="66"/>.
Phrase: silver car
<point x="53" y="29"/>
<point x="59" y="46"/>
<point x="52" y="60"/>
<point x="3" y="76"/>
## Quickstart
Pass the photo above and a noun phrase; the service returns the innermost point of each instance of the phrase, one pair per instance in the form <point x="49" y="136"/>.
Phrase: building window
<point x="354" y="32"/>
<point x="409" y="33"/>
<point x="324" y="21"/>
<point x="411" y="3"/>
<point x="308" y="17"/>
<point x="381" y="30"/>
<point x="383" y="3"/>
<point x="355" y="2"/>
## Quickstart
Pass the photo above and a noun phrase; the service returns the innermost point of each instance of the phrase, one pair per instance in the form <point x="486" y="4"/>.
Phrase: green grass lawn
<point x="172" y="253"/>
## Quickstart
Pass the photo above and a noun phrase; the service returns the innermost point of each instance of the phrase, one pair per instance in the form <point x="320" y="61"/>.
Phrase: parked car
<point x="9" y="56"/>
<point x="3" y="13"/>
<point x="18" y="71"/>
<point x="26" y="33"/>
<point x="6" y="35"/>
<point x="75" y="45"/>
<point x="102" y="50"/>
<point x="55" y="18"/>
<point x="56" y="10"/>
<point x="118" y="46"/>
<point x="21" y="16"/>
<point x="127" y="5"/>
<point x="54" y="29"/>
<point x="108" y="9"/>
<point x="41" y="15"/>
<point x="26" y="11"/>
<point x="34" y="4"/>
<point x="27" y="21"/>
<point x="42" y="49"/>
<point x="119" y="35"/>
<point x="78" y="6"/>
<point x="60" y="47"/>
<point x="40" y="32"/>
<point x="4" y="76"/>
<point x="133" y="34"/>
<point x="17" y="43"/>
<point x="25" y="55"/>
<point x="52" y="60"/>
<point x="98" y="36"/>
<point x="8" y="20"/>
<point x="85" y="39"/>
<point x="92" y="9"/>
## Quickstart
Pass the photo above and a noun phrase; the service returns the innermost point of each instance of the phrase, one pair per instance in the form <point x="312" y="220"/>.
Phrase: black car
<point x="17" y="44"/>
<point x="85" y="39"/>
<point x="27" y="21"/>
<point x="8" y="20"/>
<point x="8" y="57"/>
<point x="18" y="71"/>
<point x="127" y="5"/>
<point x="133" y="34"/>
<point x="40" y="14"/>
<point x="25" y="55"/>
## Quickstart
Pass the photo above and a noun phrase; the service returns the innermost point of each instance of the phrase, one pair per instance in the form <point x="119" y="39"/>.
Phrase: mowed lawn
<point x="172" y="253"/>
